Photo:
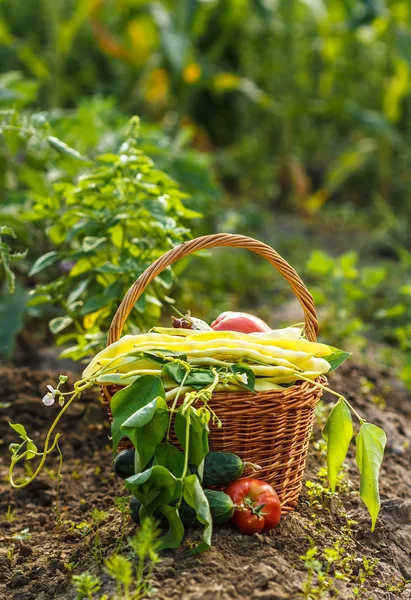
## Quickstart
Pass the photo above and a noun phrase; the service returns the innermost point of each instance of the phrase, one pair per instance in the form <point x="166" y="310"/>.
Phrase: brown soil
<point x="237" y="567"/>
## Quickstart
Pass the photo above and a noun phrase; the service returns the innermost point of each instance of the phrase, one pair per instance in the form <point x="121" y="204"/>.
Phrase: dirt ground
<point x="35" y="552"/>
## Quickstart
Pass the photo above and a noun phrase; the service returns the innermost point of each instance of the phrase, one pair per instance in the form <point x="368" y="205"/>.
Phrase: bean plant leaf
<point x="146" y="428"/>
<point x="130" y="399"/>
<point x="169" y="456"/>
<point x="370" y="444"/>
<point x="336" y="358"/>
<point x="197" y="378"/>
<point x="175" y="534"/>
<point x="31" y="450"/>
<point x="154" y="487"/>
<point x="194" y="495"/>
<point x="20" y="430"/>
<point x="244" y="376"/>
<point x="338" y="433"/>
<point x="175" y="371"/>
<point x="197" y="434"/>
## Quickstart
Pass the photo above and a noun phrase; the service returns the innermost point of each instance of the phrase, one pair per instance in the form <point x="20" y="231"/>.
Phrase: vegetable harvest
<point x="167" y="378"/>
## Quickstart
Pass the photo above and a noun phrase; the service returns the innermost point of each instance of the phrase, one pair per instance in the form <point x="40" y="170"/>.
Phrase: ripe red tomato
<point x="258" y="506"/>
<point x="238" y="321"/>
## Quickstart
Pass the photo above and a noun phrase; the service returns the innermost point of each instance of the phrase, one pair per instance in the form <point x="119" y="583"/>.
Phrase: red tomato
<point x="258" y="506"/>
<point x="238" y="321"/>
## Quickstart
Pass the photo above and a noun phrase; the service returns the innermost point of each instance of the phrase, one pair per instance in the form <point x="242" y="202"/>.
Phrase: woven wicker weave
<point x="271" y="429"/>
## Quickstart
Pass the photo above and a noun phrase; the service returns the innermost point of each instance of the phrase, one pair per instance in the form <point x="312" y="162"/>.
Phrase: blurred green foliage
<point x="304" y="102"/>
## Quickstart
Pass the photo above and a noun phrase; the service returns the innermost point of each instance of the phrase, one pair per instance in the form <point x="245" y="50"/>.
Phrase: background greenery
<point x="287" y="120"/>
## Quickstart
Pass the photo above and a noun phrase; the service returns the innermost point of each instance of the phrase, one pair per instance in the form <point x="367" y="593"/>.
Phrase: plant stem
<point x="340" y="396"/>
<point x="46" y="449"/>
<point x="173" y="406"/>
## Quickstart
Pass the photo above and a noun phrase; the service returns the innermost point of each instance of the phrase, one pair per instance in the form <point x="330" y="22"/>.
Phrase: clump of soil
<point x="38" y="553"/>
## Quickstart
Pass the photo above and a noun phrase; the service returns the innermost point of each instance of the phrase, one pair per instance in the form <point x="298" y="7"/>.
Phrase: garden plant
<point x="174" y="424"/>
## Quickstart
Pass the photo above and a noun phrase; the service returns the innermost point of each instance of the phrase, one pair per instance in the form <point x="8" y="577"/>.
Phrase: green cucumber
<point x="124" y="463"/>
<point x="221" y="508"/>
<point x="222" y="468"/>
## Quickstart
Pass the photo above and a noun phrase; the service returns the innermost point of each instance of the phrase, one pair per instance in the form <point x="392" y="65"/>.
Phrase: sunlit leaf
<point x="338" y="433"/>
<point x="370" y="444"/>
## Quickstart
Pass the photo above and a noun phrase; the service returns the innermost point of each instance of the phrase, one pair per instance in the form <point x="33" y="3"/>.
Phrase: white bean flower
<point x="48" y="399"/>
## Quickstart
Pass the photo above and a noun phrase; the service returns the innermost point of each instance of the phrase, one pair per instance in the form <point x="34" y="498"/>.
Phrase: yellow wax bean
<point x="291" y="333"/>
<point x="314" y="348"/>
<point x="315" y="364"/>
<point x="125" y="345"/>
<point x="270" y="371"/>
<point x="234" y="355"/>
<point x="189" y="345"/>
<point x="267" y="339"/>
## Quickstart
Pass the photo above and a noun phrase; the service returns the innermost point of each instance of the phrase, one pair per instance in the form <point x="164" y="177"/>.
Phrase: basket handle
<point x="210" y="241"/>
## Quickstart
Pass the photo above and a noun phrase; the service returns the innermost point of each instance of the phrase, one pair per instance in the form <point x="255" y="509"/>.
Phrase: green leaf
<point x="59" y="323"/>
<point x="198" y="435"/>
<point x="32" y="449"/>
<point x="194" y="495"/>
<point x="44" y="261"/>
<point x="175" y="534"/>
<point x="167" y="455"/>
<point x="197" y="378"/>
<point x="336" y="358"/>
<point x="77" y="290"/>
<point x="338" y="432"/>
<point x="130" y="399"/>
<point x="154" y="487"/>
<point x="65" y="150"/>
<point x="6" y="230"/>
<point x="20" y="430"/>
<point x="92" y="243"/>
<point x="370" y="444"/>
<point x="241" y="369"/>
<point x="146" y="428"/>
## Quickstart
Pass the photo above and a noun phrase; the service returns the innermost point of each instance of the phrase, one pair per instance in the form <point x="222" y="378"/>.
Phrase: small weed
<point x="98" y="517"/>
<point x="397" y="584"/>
<point x="71" y="566"/>
<point x="125" y="571"/>
<point x="10" y="514"/>
<point x="22" y="535"/>
<point x="332" y="564"/>
<point x="122" y="505"/>
<point x="86" y="585"/>
<point x="10" y="553"/>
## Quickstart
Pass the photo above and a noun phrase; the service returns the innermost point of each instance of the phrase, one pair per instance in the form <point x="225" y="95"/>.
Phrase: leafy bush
<point x="113" y="208"/>
<point x="107" y="229"/>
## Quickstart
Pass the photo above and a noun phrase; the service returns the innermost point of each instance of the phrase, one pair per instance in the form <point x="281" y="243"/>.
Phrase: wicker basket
<point x="271" y="429"/>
